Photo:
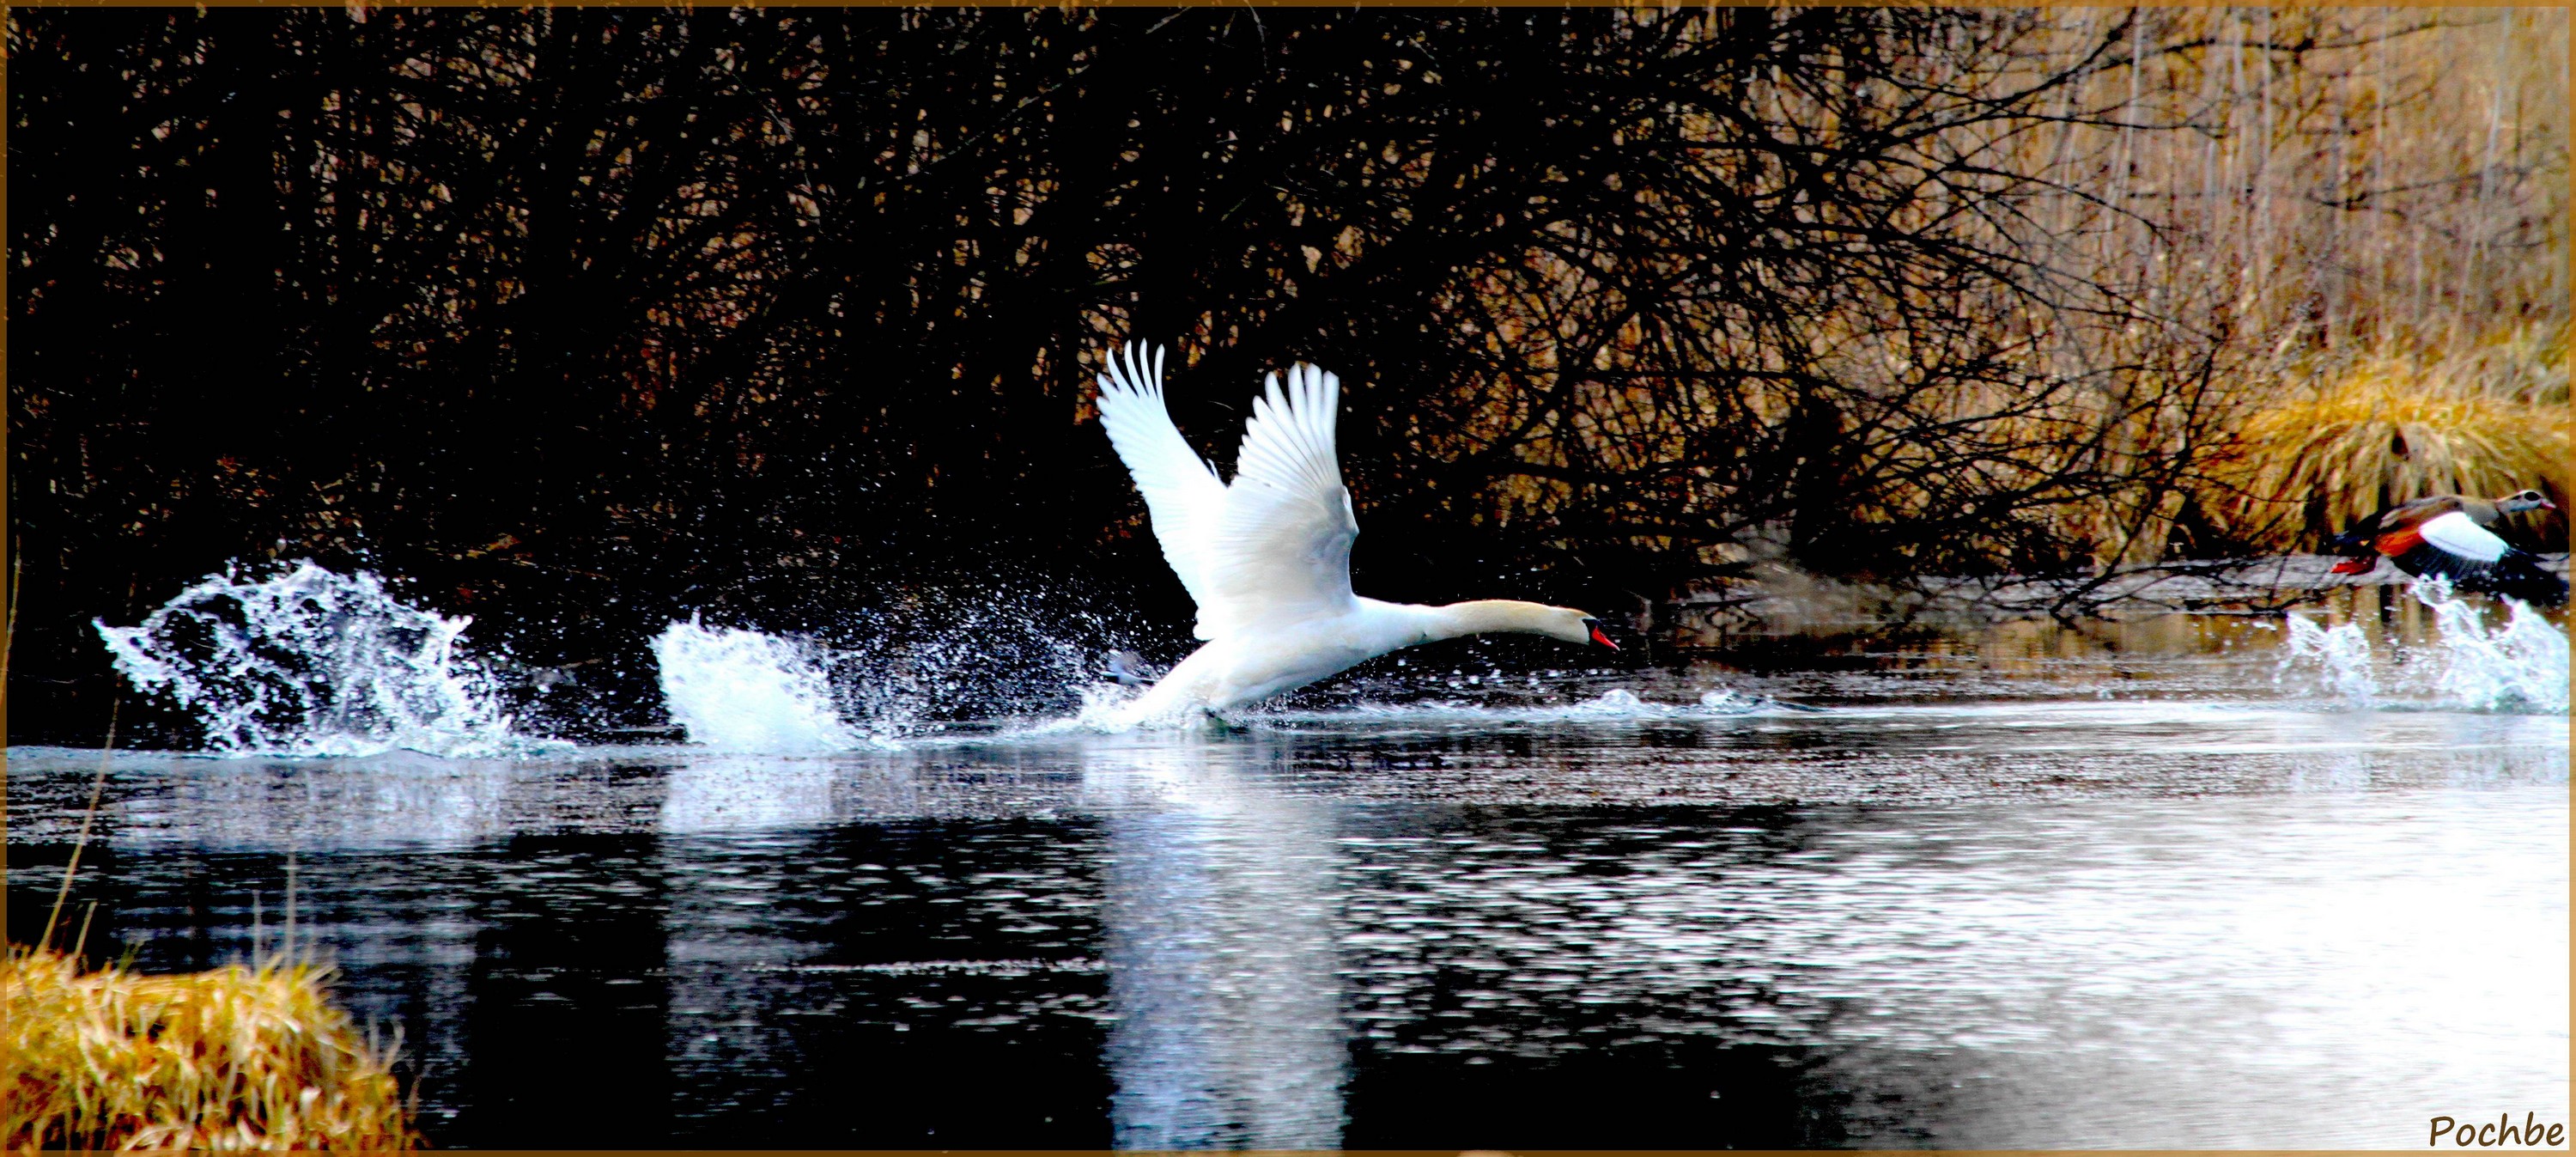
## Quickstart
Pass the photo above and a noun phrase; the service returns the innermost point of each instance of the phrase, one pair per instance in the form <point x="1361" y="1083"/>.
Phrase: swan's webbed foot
<point x="1129" y="669"/>
<point x="1219" y="724"/>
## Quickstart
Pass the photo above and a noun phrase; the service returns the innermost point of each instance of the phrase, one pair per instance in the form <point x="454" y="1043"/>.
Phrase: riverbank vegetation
<point x="596" y="317"/>
<point x="240" y="1057"/>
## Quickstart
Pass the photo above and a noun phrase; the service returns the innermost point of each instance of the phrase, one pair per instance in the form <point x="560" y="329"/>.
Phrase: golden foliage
<point x="235" y="1058"/>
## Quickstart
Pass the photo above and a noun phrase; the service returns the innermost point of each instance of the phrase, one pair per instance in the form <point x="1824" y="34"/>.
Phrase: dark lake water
<point x="2043" y="895"/>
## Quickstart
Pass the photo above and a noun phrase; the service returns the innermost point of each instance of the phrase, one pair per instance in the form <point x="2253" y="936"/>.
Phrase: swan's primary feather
<point x="1281" y="553"/>
<point x="1183" y="496"/>
<point x="1274" y="547"/>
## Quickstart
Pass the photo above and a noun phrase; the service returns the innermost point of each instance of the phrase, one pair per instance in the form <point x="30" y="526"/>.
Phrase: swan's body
<point x="1267" y="557"/>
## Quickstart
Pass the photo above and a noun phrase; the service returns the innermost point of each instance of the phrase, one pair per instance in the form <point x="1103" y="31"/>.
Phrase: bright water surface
<point x="2162" y="884"/>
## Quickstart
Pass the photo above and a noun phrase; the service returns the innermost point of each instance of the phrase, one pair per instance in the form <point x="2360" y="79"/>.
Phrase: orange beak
<point x="1603" y="639"/>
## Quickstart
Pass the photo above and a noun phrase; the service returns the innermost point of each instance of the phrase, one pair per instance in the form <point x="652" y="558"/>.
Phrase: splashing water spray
<point x="2340" y="657"/>
<point x="2520" y="666"/>
<point x="917" y="666"/>
<point x="743" y="691"/>
<point x="315" y="663"/>
<point x="318" y="663"/>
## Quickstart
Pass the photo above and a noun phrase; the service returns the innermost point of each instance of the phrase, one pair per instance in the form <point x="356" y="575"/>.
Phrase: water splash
<point x="315" y="663"/>
<point x="919" y="664"/>
<point x="2518" y="666"/>
<point x="2338" y="659"/>
<point x="992" y="654"/>
<point x="1611" y="706"/>
<point x="743" y="691"/>
<point x="1109" y="708"/>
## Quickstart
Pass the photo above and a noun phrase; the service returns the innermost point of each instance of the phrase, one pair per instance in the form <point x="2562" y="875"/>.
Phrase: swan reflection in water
<point x="1219" y="926"/>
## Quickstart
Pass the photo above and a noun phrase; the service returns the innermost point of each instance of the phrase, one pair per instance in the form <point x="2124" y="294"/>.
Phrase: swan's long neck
<point x="1478" y="616"/>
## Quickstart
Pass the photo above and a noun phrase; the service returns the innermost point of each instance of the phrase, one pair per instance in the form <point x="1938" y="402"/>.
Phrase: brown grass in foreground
<point x="234" y="1058"/>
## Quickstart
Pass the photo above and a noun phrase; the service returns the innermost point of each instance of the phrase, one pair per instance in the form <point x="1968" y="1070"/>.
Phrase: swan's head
<point x="1575" y="627"/>
<point x="2527" y="500"/>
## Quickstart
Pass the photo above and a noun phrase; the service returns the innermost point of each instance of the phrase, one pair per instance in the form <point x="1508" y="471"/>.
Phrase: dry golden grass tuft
<point x="2381" y="429"/>
<point x="235" y="1058"/>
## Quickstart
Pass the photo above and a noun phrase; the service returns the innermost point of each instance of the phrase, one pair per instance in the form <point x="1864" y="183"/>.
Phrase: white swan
<point x="1268" y="558"/>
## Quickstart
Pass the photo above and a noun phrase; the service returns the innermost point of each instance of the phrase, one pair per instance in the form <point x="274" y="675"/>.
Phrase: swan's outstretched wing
<point x="1281" y="552"/>
<point x="1182" y="493"/>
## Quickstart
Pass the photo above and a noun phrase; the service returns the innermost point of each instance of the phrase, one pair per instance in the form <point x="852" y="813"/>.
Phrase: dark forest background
<point x="582" y="320"/>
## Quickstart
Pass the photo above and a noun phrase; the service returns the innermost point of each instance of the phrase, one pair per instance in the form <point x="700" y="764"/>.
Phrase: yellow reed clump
<point x="2386" y="429"/>
<point x="235" y="1058"/>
